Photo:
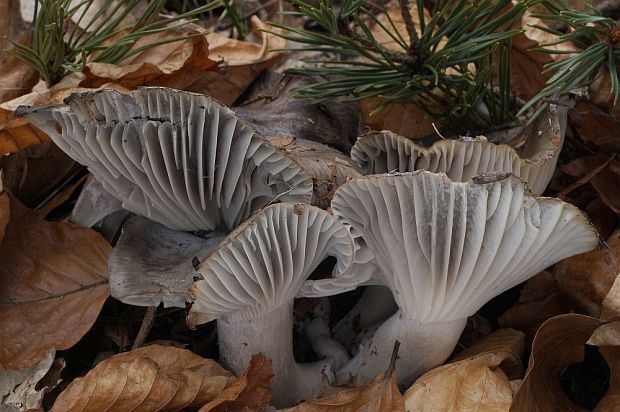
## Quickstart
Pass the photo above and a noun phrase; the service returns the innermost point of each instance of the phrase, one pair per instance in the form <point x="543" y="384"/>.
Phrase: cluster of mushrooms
<point x="235" y="223"/>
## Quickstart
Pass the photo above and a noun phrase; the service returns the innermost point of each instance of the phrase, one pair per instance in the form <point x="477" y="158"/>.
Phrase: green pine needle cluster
<point x="598" y="41"/>
<point x="446" y="66"/>
<point x="59" y="48"/>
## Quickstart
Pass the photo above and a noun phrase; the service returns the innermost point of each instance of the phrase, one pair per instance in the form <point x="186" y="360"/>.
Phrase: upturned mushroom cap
<point x="445" y="248"/>
<point x="152" y="264"/>
<point x="461" y="160"/>
<point x="181" y="159"/>
<point x="263" y="263"/>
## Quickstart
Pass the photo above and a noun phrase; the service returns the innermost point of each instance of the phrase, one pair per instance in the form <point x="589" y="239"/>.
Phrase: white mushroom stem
<point x="272" y="335"/>
<point x="423" y="345"/>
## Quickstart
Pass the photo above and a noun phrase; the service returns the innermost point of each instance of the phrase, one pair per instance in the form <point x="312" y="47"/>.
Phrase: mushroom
<point x="328" y="167"/>
<point x="444" y="249"/>
<point x="249" y="283"/>
<point x="178" y="158"/>
<point x="461" y="160"/>
<point x="152" y="264"/>
<point x="382" y="152"/>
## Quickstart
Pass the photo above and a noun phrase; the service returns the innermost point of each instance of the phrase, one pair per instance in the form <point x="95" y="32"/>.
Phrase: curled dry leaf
<point x="150" y="378"/>
<point x="380" y="394"/>
<point x="558" y="344"/>
<point x="177" y="65"/>
<point x="586" y="279"/>
<point x="249" y="392"/>
<point x="607" y="338"/>
<point x="476" y="380"/>
<point x="240" y="62"/>
<point x="53" y="283"/>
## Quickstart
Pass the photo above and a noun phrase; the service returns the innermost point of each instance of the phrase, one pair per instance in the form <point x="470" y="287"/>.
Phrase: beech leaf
<point x="250" y="391"/>
<point x="150" y="378"/>
<point x="53" y="283"/>
<point x="478" y="379"/>
<point x="380" y="394"/>
<point x="559" y="343"/>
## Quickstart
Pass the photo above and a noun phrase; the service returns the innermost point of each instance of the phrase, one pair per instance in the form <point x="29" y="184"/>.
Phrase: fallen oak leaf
<point x="478" y="379"/>
<point x="150" y="378"/>
<point x="250" y="391"/>
<point x="380" y="394"/>
<point x="53" y="283"/>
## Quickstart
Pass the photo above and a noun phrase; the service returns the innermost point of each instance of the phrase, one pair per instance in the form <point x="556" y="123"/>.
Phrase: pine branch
<point x="445" y="67"/>
<point x="597" y="36"/>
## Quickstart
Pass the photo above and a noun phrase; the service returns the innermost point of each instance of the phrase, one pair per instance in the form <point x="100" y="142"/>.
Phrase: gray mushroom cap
<point x="152" y="264"/>
<point x="263" y="263"/>
<point x="532" y="157"/>
<point x="178" y="158"/>
<point x="445" y="248"/>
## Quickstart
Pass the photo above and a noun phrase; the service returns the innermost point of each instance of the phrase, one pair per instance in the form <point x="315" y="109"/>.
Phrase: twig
<point x="393" y="359"/>
<point x="145" y="327"/>
<point x="410" y="26"/>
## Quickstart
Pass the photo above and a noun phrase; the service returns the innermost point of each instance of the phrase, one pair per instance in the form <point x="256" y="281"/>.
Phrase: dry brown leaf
<point x="177" y="65"/>
<point x="240" y="62"/>
<point x="476" y="380"/>
<point x="611" y="302"/>
<point x="587" y="278"/>
<point x="604" y="182"/>
<point x="380" y="394"/>
<point x="35" y="173"/>
<point x="526" y="78"/>
<point x="53" y="283"/>
<point x="596" y="126"/>
<point x="558" y="344"/>
<point x="150" y="378"/>
<point x="404" y="119"/>
<point x="249" y="392"/>
<point x="11" y="23"/>
<point x="607" y="338"/>
<point x="18" y="78"/>
<point x="540" y="299"/>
